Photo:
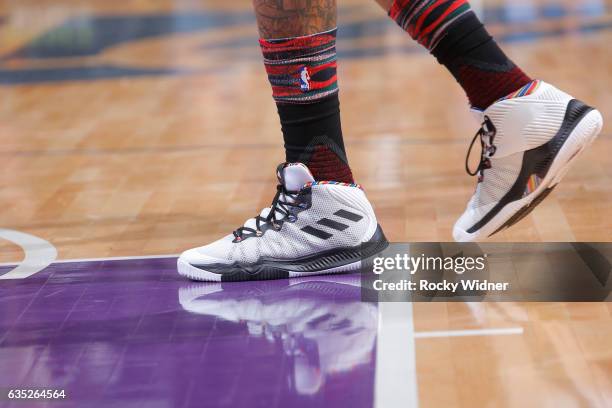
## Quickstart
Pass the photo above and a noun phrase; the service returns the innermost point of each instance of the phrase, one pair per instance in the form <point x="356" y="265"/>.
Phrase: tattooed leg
<point x="385" y="4"/>
<point x="298" y="41"/>
<point x="294" y="18"/>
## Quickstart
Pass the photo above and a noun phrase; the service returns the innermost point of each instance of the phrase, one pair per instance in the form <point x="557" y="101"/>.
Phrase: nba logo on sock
<point x="304" y="79"/>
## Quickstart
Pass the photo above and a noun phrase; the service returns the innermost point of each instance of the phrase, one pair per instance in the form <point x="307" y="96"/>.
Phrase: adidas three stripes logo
<point x="336" y="225"/>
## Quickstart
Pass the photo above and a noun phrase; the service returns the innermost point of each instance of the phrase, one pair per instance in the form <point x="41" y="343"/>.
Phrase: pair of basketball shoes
<point x="320" y="227"/>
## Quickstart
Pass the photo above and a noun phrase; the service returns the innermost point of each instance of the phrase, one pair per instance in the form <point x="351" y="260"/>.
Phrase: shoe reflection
<point x="321" y="323"/>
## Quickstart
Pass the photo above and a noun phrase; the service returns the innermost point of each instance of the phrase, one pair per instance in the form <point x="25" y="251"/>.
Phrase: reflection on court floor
<point x="131" y="332"/>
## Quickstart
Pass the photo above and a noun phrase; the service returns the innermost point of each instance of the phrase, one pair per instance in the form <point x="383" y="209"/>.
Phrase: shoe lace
<point x="486" y="133"/>
<point x="281" y="209"/>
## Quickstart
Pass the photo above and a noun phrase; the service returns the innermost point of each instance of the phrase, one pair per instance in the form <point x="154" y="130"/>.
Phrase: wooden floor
<point x="152" y="144"/>
<point x="154" y="164"/>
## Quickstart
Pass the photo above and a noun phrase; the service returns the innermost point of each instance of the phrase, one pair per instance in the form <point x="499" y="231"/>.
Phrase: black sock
<point x="313" y="136"/>
<point x="453" y="34"/>
<point x="302" y="72"/>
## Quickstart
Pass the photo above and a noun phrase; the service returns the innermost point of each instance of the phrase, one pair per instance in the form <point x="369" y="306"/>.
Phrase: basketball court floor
<point x="133" y="130"/>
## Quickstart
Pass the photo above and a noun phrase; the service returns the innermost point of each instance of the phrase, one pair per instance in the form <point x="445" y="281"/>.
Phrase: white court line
<point x="38" y="254"/>
<point x="395" y="378"/>
<point x="112" y="258"/>
<point x="396" y="383"/>
<point x="475" y="332"/>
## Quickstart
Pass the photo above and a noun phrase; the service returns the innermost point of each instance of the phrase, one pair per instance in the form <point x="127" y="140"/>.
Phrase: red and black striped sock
<point x="450" y="30"/>
<point x="302" y="72"/>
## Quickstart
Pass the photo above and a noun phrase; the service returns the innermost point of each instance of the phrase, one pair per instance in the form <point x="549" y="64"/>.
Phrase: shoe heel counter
<point x="530" y="121"/>
<point x="551" y="93"/>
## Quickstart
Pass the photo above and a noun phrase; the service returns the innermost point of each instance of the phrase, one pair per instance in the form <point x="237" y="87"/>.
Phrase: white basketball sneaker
<point x="529" y="139"/>
<point x="311" y="228"/>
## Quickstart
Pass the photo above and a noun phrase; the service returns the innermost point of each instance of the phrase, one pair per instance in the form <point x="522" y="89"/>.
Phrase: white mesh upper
<point x="529" y="121"/>
<point x="497" y="180"/>
<point x="290" y="242"/>
<point x="521" y="124"/>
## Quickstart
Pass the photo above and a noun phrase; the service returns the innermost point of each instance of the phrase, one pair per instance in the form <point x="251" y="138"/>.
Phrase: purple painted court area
<point x="132" y="333"/>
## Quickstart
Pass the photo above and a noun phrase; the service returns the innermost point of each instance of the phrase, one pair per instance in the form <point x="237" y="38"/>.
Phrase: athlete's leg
<point x="451" y="31"/>
<point x="298" y="41"/>
<point x="385" y="4"/>
<point x="312" y="227"/>
<point x="531" y="131"/>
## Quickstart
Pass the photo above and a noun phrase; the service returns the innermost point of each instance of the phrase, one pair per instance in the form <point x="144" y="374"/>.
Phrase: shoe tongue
<point x="294" y="175"/>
